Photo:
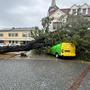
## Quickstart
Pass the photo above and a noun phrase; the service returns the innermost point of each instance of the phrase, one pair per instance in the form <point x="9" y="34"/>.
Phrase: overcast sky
<point x="28" y="13"/>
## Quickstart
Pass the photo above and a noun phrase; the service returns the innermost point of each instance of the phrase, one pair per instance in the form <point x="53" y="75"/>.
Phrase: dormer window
<point x="84" y="11"/>
<point x="57" y="25"/>
<point x="74" y="11"/>
<point x="79" y="11"/>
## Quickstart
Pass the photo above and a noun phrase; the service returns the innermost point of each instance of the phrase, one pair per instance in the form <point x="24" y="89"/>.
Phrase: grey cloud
<point x="20" y="13"/>
<point x="69" y="3"/>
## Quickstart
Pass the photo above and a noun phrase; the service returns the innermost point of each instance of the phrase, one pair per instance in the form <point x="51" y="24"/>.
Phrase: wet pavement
<point x="38" y="75"/>
<point x="7" y="56"/>
<point x="85" y="85"/>
<point x="33" y="56"/>
<point x="48" y="73"/>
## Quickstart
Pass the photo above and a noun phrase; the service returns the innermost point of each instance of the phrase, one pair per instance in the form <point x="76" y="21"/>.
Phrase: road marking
<point x="76" y="84"/>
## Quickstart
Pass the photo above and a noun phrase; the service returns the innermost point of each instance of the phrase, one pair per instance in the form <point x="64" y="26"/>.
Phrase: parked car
<point x="2" y="45"/>
<point x="63" y="49"/>
<point x="11" y="44"/>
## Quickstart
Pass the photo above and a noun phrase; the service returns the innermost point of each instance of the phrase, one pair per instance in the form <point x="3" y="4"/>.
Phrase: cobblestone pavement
<point x="39" y="74"/>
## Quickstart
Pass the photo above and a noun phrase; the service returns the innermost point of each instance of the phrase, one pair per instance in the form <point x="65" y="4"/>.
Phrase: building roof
<point x="66" y="10"/>
<point x="52" y="10"/>
<point x="17" y="29"/>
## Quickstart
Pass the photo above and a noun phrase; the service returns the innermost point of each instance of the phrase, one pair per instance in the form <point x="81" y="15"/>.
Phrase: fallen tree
<point x="35" y="44"/>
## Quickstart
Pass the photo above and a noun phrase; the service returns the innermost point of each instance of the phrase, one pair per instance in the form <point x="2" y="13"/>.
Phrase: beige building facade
<point x="16" y="36"/>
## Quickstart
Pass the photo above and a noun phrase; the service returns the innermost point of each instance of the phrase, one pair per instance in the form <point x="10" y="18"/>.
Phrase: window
<point x="56" y="25"/>
<point x="9" y="34"/>
<point x="24" y="35"/>
<point x="79" y="11"/>
<point x="29" y="34"/>
<point x="13" y="34"/>
<point x="74" y="11"/>
<point x="1" y="35"/>
<point x="84" y="11"/>
<point x="16" y="34"/>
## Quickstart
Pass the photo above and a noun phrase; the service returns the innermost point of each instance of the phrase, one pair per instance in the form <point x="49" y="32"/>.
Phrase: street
<point x="35" y="74"/>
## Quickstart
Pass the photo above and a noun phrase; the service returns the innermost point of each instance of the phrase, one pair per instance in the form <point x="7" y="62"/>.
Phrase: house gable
<point x="74" y="6"/>
<point x="57" y="14"/>
<point x="85" y="6"/>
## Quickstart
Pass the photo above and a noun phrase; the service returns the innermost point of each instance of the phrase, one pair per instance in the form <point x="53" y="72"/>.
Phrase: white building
<point x="60" y="15"/>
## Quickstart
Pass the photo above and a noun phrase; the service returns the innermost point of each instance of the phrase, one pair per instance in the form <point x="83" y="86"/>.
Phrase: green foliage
<point x="37" y="33"/>
<point x="75" y="30"/>
<point x="46" y="23"/>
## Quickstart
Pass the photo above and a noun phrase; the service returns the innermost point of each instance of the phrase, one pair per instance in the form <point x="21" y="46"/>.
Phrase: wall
<point x="6" y="38"/>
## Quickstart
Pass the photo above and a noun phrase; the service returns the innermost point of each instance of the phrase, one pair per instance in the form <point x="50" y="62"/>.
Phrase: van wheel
<point x="56" y="55"/>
